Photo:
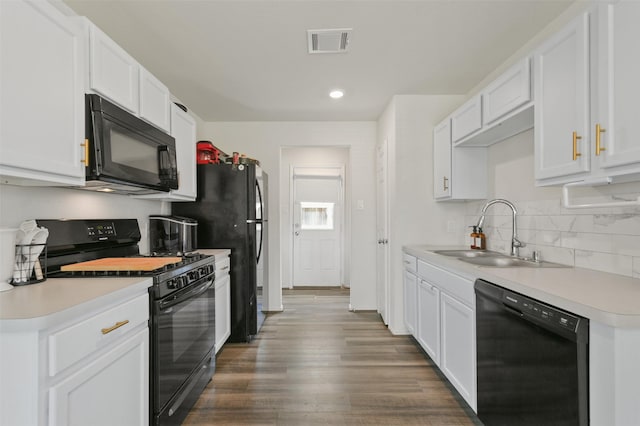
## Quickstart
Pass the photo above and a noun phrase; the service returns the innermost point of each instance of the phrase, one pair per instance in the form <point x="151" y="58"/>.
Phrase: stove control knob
<point x="193" y="275"/>
<point x="210" y="269"/>
<point x="172" y="284"/>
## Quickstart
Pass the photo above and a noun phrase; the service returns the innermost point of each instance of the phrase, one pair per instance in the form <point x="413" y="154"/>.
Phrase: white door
<point x="317" y="230"/>
<point x="382" y="233"/>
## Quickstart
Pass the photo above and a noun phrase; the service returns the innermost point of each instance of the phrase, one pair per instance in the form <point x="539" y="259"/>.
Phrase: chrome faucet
<point x="515" y="242"/>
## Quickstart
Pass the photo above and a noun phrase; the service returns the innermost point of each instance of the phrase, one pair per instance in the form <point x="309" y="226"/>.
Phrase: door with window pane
<point x="316" y="229"/>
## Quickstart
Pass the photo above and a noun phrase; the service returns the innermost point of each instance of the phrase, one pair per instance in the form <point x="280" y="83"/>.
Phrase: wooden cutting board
<point x="122" y="264"/>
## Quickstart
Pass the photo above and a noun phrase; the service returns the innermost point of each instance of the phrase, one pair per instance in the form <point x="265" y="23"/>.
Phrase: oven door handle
<point x="177" y="299"/>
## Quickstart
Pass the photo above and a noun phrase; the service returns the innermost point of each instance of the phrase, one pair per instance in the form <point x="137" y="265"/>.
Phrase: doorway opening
<point x="315" y="225"/>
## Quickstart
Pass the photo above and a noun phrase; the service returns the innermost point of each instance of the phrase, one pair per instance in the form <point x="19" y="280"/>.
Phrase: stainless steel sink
<point x="501" y="261"/>
<point x="468" y="253"/>
<point x="496" y="260"/>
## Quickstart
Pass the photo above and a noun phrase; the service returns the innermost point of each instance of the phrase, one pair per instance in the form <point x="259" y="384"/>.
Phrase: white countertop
<point x="610" y="299"/>
<point x="39" y="306"/>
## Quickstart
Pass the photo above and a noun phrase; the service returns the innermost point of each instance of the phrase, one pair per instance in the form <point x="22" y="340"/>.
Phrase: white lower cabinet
<point x="446" y="323"/>
<point x="88" y="365"/>
<point x="223" y="300"/>
<point x="429" y="319"/>
<point x="410" y="309"/>
<point x="457" y="352"/>
<point x="112" y="390"/>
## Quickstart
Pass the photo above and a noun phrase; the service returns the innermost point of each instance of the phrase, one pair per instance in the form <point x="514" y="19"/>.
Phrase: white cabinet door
<point x="442" y="160"/>
<point x="618" y="84"/>
<point x="41" y="94"/>
<point x="458" y="354"/>
<point x="561" y="82"/>
<point x="155" y="103"/>
<point x="467" y="119"/>
<point x="112" y="390"/>
<point x="113" y="72"/>
<point x="223" y="311"/>
<point x="429" y="319"/>
<point x="509" y="91"/>
<point x="410" y="300"/>
<point x="183" y="129"/>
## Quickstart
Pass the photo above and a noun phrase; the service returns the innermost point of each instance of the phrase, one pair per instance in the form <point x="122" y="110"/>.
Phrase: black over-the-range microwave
<point x="126" y="154"/>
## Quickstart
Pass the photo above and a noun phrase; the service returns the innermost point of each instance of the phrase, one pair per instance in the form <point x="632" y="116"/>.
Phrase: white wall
<point x="309" y="157"/>
<point x="605" y="239"/>
<point x="18" y="203"/>
<point x="263" y="141"/>
<point x="415" y="218"/>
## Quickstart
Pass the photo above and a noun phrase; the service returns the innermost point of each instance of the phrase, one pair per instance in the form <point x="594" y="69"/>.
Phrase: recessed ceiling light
<point x="336" y="94"/>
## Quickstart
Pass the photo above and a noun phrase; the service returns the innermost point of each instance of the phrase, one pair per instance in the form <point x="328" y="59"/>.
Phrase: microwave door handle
<point x="175" y="300"/>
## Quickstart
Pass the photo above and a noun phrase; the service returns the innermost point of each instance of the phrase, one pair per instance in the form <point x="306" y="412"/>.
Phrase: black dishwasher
<point x="532" y="361"/>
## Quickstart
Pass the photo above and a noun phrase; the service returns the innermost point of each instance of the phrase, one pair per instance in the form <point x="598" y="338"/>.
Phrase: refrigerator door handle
<point x="255" y="221"/>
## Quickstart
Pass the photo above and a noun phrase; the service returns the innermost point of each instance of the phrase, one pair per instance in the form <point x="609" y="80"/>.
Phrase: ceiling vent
<point x="328" y="41"/>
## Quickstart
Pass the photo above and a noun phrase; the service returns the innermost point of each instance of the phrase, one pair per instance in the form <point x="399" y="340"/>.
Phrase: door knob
<point x="297" y="233"/>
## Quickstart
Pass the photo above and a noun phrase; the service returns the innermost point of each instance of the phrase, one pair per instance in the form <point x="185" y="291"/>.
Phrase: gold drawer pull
<point x="85" y="144"/>
<point x="576" y="154"/>
<point x="224" y="269"/>
<point x="599" y="131"/>
<point x="115" y="326"/>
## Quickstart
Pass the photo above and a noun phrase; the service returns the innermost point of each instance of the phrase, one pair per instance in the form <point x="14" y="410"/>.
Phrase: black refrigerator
<point x="231" y="210"/>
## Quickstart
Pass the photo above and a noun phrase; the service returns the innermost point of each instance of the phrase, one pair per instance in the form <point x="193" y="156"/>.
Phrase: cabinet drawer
<point x="455" y="285"/>
<point x="222" y="266"/>
<point x="73" y="343"/>
<point x="409" y="262"/>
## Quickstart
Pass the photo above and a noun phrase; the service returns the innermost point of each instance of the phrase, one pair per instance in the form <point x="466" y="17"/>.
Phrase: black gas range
<point x="181" y="303"/>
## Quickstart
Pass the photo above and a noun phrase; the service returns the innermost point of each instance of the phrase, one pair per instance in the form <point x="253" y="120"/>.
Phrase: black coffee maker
<point x="172" y="235"/>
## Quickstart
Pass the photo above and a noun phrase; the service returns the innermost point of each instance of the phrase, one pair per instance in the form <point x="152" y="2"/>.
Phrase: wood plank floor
<point x="317" y="363"/>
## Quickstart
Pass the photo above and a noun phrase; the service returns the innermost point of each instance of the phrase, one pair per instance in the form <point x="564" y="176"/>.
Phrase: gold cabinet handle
<point x="599" y="131"/>
<point x="576" y="154"/>
<point x="445" y="183"/>
<point x="85" y="161"/>
<point x="115" y="326"/>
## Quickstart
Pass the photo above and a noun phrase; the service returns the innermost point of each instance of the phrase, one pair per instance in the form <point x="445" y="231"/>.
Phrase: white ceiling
<point x="239" y="60"/>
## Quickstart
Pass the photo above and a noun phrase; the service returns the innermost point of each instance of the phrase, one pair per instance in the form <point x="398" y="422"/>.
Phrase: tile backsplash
<point x="604" y="239"/>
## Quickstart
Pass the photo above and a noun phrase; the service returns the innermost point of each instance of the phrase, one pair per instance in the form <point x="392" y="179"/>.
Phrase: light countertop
<point x="39" y="306"/>
<point x="42" y="305"/>
<point x="610" y="299"/>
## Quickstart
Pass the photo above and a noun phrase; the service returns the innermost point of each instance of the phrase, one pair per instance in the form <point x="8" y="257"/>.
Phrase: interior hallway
<point x="318" y="363"/>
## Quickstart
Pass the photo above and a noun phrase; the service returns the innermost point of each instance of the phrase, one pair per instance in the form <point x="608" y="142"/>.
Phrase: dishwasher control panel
<point x="534" y="309"/>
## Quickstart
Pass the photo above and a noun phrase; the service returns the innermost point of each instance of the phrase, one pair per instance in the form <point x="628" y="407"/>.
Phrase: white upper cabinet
<point x="117" y="76"/>
<point x="509" y="91"/>
<point x="562" y="102"/>
<point x="467" y="119"/>
<point x="502" y="109"/>
<point x="459" y="173"/>
<point x="442" y="160"/>
<point x="588" y="107"/>
<point x="616" y="113"/>
<point x="41" y="95"/>
<point x="113" y="73"/>
<point x="155" y="102"/>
